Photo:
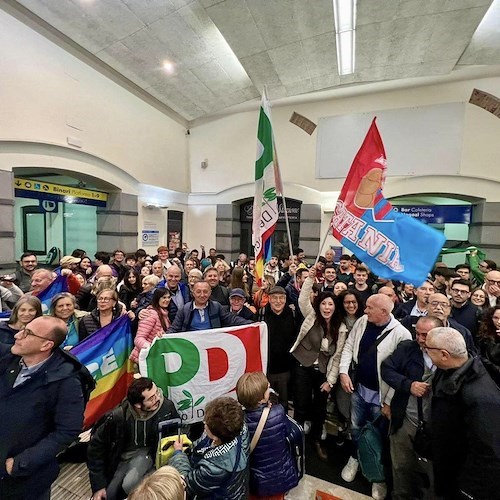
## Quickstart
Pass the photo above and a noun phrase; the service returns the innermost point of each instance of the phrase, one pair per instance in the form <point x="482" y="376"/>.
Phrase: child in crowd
<point x="164" y="484"/>
<point x="272" y="469"/>
<point x="218" y="468"/>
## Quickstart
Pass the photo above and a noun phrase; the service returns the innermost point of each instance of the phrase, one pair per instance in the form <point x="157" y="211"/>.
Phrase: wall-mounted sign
<point x="292" y="207"/>
<point x="29" y="188"/>
<point x="438" y="214"/>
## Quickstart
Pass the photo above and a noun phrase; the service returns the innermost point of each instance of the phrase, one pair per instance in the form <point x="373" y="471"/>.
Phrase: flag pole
<point x="285" y="211"/>
<point x="328" y="229"/>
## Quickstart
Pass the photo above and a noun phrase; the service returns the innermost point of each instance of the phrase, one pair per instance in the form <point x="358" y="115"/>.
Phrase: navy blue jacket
<point x="404" y="309"/>
<point x="272" y="470"/>
<point x="218" y="315"/>
<point x="39" y="418"/>
<point x="404" y="366"/>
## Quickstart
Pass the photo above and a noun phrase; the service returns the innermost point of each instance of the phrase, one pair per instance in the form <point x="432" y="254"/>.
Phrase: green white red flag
<point x="267" y="188"/>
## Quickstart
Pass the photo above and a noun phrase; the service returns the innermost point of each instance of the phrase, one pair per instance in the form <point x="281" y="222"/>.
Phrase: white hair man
<point x="465" y="425"/>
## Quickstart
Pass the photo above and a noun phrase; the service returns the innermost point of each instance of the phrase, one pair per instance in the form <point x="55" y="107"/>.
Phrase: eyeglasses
<point x="493" y="282"/>
<point x="104" y="299"/>
<point x="25" y="332"/>
<point x="347" y="302"/>
<point x="427" y="348"/>
<point x="461" y="292"/>
<point x="444" y="305"/>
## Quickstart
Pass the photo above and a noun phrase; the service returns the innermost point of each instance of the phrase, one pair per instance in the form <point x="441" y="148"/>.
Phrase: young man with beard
<point x="330" y="278"/>
<point x="123" y="447"/>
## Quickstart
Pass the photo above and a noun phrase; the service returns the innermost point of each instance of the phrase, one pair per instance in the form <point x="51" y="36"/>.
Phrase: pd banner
<point x="193" y="368"/>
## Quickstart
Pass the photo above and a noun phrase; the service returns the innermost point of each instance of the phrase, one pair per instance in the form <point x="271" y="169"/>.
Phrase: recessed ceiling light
<point x="344" y="13"/>
<point x="169" y="67"/>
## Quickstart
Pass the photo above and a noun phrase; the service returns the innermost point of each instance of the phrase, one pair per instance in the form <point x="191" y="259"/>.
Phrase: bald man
<point x="373" y="337"/>
<point x="41" y="408"/>
<point x="387" y="290"/>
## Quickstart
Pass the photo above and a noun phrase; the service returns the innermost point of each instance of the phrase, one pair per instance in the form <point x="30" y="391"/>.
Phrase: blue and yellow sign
<point x="29" y="188"/>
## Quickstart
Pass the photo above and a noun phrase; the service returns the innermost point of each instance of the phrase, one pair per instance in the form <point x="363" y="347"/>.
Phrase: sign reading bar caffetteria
<point x="437" y="214"/>
<point x="29" y="188"/>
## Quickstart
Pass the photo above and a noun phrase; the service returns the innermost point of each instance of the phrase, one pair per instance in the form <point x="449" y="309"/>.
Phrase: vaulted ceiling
<point x="223" y="52"/>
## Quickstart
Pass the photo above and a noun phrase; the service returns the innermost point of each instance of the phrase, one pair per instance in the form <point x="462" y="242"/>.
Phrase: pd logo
<point x="194" y="368"/>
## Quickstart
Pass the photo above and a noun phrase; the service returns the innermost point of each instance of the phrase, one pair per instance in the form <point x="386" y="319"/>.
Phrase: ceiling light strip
<point x="344" y="13"/>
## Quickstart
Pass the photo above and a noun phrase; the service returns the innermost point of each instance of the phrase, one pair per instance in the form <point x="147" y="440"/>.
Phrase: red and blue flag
<point x="392" y="245"/>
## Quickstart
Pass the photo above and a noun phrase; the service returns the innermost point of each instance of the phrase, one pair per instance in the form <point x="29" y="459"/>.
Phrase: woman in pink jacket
<point x="154" y="324"/>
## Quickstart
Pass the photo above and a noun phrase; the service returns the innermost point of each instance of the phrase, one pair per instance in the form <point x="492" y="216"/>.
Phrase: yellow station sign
<point x="58" y="189"/>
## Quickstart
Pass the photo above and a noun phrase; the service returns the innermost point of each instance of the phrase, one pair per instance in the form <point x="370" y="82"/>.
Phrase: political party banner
<point x="194" y="368"/>
<point x="392" y="245"/>
<point x="60" y="284"/>
<point x="106" y="353"/>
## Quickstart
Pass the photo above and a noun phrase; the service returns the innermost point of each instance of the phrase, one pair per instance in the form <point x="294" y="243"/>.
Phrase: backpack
<point x="296" y="445"/>
<point x="370" y="451"/>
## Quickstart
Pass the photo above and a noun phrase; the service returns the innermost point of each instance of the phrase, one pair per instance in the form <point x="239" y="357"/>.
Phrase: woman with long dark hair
<point x="489" y="342"/>
<point x="155" y="324"/>
<point x="348" y="307"/>
<point x="317" y="350"/>
<point x="131" y="287"/>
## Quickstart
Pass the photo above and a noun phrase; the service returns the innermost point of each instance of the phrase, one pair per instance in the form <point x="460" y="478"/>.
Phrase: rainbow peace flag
<point x="106" y="355"/>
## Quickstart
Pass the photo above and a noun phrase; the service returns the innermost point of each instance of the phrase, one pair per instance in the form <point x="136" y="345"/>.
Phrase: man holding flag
<point x="267" y="187"/>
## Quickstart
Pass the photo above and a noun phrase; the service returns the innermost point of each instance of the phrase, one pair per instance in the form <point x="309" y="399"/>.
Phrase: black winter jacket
<point x="109" y="440"/>
<point x="465" y="427"/>
<point x="39" y="418"/>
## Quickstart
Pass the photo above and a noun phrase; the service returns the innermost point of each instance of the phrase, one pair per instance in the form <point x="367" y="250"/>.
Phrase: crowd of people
<point x="397" y="354"/>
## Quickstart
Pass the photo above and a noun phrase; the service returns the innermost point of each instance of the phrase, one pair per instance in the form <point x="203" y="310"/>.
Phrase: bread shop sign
<point x="292" y="208"/>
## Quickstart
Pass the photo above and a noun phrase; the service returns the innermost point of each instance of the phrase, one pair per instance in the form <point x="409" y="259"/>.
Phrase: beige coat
<point x="307" y="310"/>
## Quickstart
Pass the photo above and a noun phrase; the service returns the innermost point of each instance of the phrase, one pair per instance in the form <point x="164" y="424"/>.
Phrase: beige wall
<point x="47" y="95"/>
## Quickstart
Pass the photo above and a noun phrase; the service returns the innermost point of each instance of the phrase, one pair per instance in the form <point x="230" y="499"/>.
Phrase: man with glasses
<point x="439" y="305"/>
<point x="123" y="446"/>
<point x="465" y="420"/>
<point x="409" y="371"/>
<point x="492" y="287"/>
<point x="462" y="309"/>
<point x="41" y="408"/>
<point x="282" y="328"/>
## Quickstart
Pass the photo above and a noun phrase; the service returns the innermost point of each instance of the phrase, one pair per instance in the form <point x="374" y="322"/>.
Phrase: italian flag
<point x="267" y="187"/>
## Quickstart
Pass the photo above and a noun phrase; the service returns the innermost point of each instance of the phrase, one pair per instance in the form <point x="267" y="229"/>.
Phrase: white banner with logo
<point x="193" y="368"/>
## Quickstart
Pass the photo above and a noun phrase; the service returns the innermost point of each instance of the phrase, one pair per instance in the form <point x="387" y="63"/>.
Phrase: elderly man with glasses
<point x="409" y="371"/>
<point x="465" y="424"/>
<point x="440" y="306"/>
<point x="41" y="408"/>
<point x="492" y="287"/>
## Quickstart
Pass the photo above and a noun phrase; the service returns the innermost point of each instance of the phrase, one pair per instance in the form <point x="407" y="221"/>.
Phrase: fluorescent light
<point x="344" y="13"/>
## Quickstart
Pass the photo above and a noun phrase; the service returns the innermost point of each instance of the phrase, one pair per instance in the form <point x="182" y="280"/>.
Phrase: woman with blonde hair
<point x="224" y="272"/>
<point x="63" y="306"/>
<point x="261" y="296"/>
<point x="164" y="484"/>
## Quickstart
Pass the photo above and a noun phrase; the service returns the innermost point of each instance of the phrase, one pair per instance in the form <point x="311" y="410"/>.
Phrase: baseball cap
<point x="237" y="292"/>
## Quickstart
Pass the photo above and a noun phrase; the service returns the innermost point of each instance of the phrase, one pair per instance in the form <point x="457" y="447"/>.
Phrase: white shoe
<point x="323" y="433"/>
<point x="379" y="491"/>
<point x="350" y="470"/>
<point x="307" y="427"/>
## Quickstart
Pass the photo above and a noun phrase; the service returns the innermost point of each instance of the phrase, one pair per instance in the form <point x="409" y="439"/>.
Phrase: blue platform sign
<point x="438" y="214"/>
